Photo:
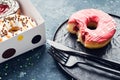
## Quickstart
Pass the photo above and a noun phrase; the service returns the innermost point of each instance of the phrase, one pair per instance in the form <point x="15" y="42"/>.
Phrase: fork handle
<point x="98" y="60"/>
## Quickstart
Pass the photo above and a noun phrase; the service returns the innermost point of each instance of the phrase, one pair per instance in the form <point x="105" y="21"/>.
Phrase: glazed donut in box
<point x="21" y="29"/>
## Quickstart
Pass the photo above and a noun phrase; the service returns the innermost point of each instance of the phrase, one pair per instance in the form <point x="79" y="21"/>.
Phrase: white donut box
<point x="29" y="39"/>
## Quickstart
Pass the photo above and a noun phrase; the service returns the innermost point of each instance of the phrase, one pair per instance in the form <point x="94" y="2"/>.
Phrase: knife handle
<point x="98" y="60"/>
<point x="106" y="69"/>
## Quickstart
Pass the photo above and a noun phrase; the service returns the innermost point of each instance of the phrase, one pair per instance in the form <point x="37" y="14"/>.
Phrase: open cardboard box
<point x="27" y="40"/>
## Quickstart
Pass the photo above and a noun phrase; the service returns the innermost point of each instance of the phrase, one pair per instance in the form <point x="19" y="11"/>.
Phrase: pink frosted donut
<point x="93" y="27"/>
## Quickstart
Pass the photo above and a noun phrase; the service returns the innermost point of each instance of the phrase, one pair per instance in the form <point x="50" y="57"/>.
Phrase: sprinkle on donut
<point x="14" y="24"/>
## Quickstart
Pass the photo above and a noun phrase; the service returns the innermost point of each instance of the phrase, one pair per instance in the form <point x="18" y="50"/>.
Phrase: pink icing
<point x="3" y="8"/>
<point x="105" y="25"/>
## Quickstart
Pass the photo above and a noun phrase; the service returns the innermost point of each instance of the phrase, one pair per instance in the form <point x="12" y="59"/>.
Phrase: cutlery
<point x="98" y="60"/>
<point x="70" y="61"/>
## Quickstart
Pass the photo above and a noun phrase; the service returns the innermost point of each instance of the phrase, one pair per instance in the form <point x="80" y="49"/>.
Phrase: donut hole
<point x="92" y="25"/>
<point x="14" y="29"/>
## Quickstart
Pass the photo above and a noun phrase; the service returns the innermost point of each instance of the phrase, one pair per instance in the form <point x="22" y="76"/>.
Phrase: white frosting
<point x="9" y="23"/>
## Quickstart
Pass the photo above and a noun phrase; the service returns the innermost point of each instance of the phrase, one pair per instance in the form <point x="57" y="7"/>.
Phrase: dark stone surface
<point x="38" y="64"/>
<point x="83" y="72"/>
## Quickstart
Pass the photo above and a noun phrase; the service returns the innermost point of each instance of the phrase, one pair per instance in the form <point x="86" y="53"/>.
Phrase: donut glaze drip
<point x="3" y="8"/>
<point x="104" y="25"/>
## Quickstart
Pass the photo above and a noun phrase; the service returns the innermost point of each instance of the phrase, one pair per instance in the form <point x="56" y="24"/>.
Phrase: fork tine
<point x="60" y="59"/>
<point x="62" y="54"/>
<point x="56" y="57"/>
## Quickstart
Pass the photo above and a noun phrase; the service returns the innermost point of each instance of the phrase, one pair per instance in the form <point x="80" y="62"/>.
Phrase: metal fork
<point x="71" y="61"/>
<point x="64" y="59"/>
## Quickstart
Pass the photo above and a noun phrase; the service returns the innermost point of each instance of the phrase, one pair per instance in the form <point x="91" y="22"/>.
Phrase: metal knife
<point x="62" y="47"/>
<point x="104" y="62"/>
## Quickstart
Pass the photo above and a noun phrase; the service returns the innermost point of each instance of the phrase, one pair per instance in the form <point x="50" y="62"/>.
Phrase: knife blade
<point x="62" y="47"/>
<point x="103" y="62"/>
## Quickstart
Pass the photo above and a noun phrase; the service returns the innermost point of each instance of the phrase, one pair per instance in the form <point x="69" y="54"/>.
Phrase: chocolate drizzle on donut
<point x="14" y="29"/>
